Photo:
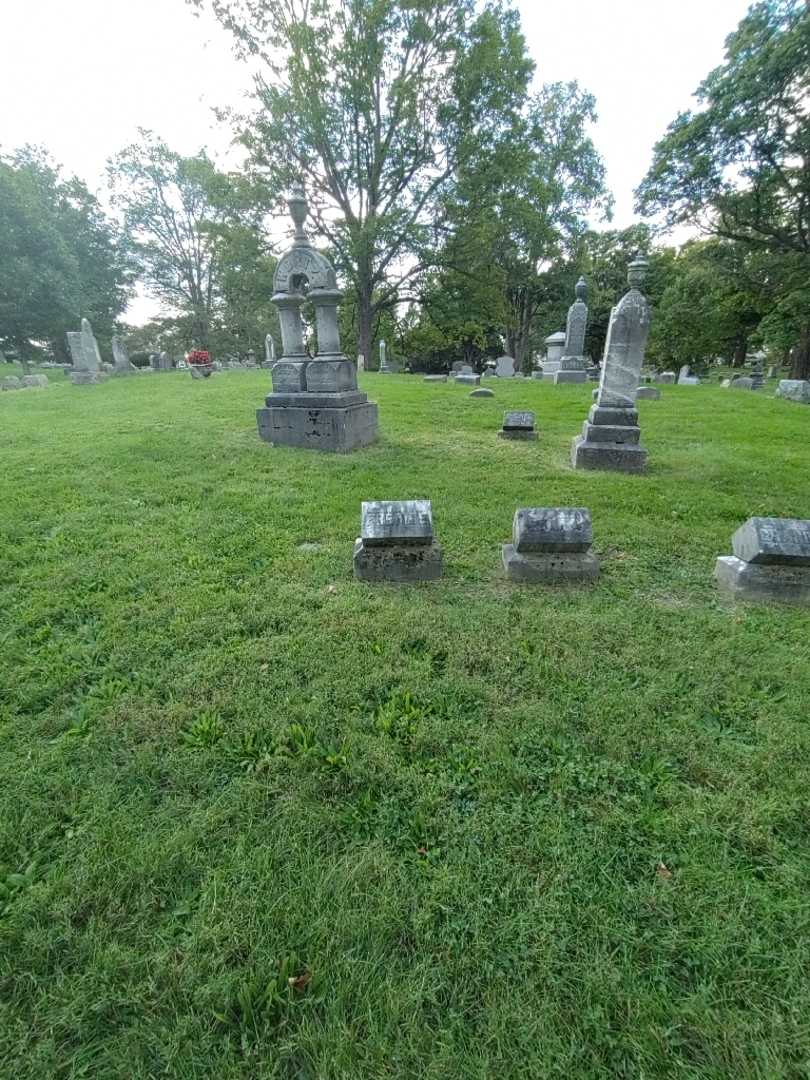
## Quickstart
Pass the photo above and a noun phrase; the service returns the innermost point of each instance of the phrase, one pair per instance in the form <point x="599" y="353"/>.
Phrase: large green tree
<point x="739" y="166"/>
<point x="186" y="220"/>
<point x="375" y="105"/>
<point x="61" y="258"/>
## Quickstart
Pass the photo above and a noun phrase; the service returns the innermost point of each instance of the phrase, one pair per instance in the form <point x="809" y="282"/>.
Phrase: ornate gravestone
<point x="574" y="363"/>
<point x="610" y="436"/>
<point x="385" y="367"/>
<point x="518" y="425"/>
<point x="86" y="357"/>
<point x="315" y="402"/>
<point x="505" y="367"/>
<point x="121" y="358"/>
<point x="396" y="542"/>
<point x="551" y="545"/>
<point x="771" y="561"/>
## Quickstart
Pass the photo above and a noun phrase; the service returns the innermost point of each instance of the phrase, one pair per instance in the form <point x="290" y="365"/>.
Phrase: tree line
<point x="456" y="198"/>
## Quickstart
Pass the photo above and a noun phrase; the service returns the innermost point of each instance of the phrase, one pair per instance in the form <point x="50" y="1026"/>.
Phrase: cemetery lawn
<point x="260" y="820"/>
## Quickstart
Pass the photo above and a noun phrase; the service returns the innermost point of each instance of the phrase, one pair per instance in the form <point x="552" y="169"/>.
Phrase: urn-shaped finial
<point x="299" y="210"/>
<point x="637" y="272"/>
<point x="581" y="289"/>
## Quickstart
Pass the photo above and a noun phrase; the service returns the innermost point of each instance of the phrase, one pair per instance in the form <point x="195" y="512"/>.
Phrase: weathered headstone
<point x="35" y="381"/>
<point x="551" y="545"/>
<point x="459" y="365"/>
<point x="794" y="390"/>
<point x="161" y="362"/>
<point x="505" y="367"/>
<point x="574" y="363"/>
<point x="482" y="392"/>
<point x="315" y="402"/>
<point x="396" y="543"/>
<point x="86" y="357"/>
<point x="555" y="347"/>
<point x="269" y="352"/>
<point x="686" y="378"/>
<point x="385" y="367"/>
<point x="10" y="382"/>
<point x="518" y="425"/>
<point x="121" y="358"/>
<point x="771" y="561"/>
<point x="611" y="436"/>
<point x="467" y="378"/>
<point x="666" y="377"/>
<point x="648" y="393"/>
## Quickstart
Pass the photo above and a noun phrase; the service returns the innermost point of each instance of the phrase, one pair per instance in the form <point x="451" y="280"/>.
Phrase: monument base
<point x="516" y="433"/>
<point x="87" y="378"/>
<point x="569" y="377"/>
<point x="319" y="422"/>
<point x="617" y="457"/>
<point x="467" y="380"/>
<point x="397" y="562"/>
<point x="549" y="569"/>
<point x="758" y="581"/>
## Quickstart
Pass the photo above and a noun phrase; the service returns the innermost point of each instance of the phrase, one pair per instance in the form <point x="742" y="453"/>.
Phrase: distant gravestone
<point x="467" y="378"/>
<point x="86" y="358"/>
<point x="686" y="378"/>
<point x="550" y="546"/>
<point x="771" y="561"/>
<point x="648" y="393"/>
<point x="666" y="377"/>
<point x="518" y="425"/>
<point x="122" y="366"/>
<point x="435" y="378"/>
<point x="385" y="367"/>
<point x="10" y="382"/>
<point x="573" y="363"/>
<point x="482" y="392"/>
<point x="396" y="542"/>
<point x="505" y="367"/>
<point x="459" y="365"/>
<point x="555" y="347"/>
<point x="33" y="381"/>
<point x="269" y="352"/>
<point x="794" y="390"/>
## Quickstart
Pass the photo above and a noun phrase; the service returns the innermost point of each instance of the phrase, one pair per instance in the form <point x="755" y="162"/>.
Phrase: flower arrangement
<point x="199" y="356"/>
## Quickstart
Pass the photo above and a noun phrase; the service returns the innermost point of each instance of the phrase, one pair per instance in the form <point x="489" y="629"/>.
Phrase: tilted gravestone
<point x="518" y="425"/>
<point x="396" y="542"/>
<point x="121" y="358"/>
<point x="771" y="561"/>
<point x="610" y="436"/>
<point x="551" y="545"/>
<point x="315" y="403"/>
<point x="86" y="357"/>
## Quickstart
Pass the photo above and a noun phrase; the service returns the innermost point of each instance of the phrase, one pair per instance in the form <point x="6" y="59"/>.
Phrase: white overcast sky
<point x="79" y="77"/>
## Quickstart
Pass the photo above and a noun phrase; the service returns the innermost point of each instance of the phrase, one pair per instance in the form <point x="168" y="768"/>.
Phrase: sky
<point x="79" y="78"/>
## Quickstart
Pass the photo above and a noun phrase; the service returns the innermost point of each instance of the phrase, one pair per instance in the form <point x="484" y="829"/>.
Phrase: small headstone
<point x="648" y="393"/>
<point x="10" y="382"/>
<point x="396" y="542"/>
<point x="666" y="377"/>
<point x="771" y="371"/>
<point x="771" y="561"/>
<point x="742" y="382"/>
<point x="459" y="365"/>
<point x="467" y="378"/>
<point x="505" y="367"/>
<point x="794" y="390"/>
<point x="551" y="545"/>
<point x="435" y="378"/>
<point x="482" y="391"/>
<point x="122" y="366"/>
<point x="686" y="378"/>
<point x="35" y="380"/>
<point x="518" y="425"/>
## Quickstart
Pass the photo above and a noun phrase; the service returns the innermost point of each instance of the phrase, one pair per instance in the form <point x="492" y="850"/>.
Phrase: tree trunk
<point x="800" y="367"/>
<point x="740" y="350"/>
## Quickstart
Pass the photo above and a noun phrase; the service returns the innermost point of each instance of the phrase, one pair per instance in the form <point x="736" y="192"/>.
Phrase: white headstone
<point x="505" y="367"/>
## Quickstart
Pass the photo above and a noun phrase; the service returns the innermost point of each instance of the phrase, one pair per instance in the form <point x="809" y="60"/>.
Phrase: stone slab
<point x="435" y="378"/>
<point x="330" y="376"/>
<point x="549" y="569"/>
<point x="622" y="458"/>
<point x="648" y="393"/>
<point x="333" y="430"/>
<point x="518" y="420"/>
<point x="87" y="378"/>
<point x="794" y="390"/>
<point x="463" y="379"/>
<point x="752" y="581"/>
<point x="482" y="391"/>
<point x="316" y="401"/>
<point x="35" y="380"/>
<point x="570" y="377"/>
<point x="773" y="541"/>
<point x="611" y="433"/>
<point x="603" y="415"/>
<point x="404" y="563"/>
<point x="400" y="521"/>
<point x="555" y="530"/>
<point x="11" y="382"/>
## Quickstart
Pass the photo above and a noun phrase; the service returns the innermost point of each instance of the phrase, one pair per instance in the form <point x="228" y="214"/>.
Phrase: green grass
<point x="260" y="820"/>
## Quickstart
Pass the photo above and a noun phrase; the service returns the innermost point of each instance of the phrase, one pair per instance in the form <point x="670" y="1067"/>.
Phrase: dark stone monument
<point x="551" y="545"/>
<point x="396" y="543"/>
<point x="315" y="402"/>
<point x="518" y="425"/>
<point x="771" y="561"/>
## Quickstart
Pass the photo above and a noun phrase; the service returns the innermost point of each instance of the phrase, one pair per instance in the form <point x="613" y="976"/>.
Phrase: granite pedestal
<point x="610" y="439"/>
<point x="396" y="543"/>
<point x="771" y="562"/>
<point x="551" y="546"/>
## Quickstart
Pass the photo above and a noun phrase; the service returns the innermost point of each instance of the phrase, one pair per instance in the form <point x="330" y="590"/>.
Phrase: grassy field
<point x="259" y="820"/>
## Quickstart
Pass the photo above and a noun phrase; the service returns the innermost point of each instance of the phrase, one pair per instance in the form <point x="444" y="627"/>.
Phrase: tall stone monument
<point x="610" y="436"/>
<point x="121" y="358"/>
<point x="85" y="355"/>
<point x="315" y="402"/>
<point x="574" y="363"/>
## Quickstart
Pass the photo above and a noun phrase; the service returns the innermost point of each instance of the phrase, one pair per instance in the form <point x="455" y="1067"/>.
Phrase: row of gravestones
<point x="24" y="382"/>
<point x="552" y="545"/>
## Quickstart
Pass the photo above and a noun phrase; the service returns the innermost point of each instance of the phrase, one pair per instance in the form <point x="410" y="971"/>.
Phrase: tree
<point x="182" y="215"/>
<point x="374" y="104"/>
<point x="522" y="204"/>
<point x="739" y="168"/>
<point x="62" y="258"/>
